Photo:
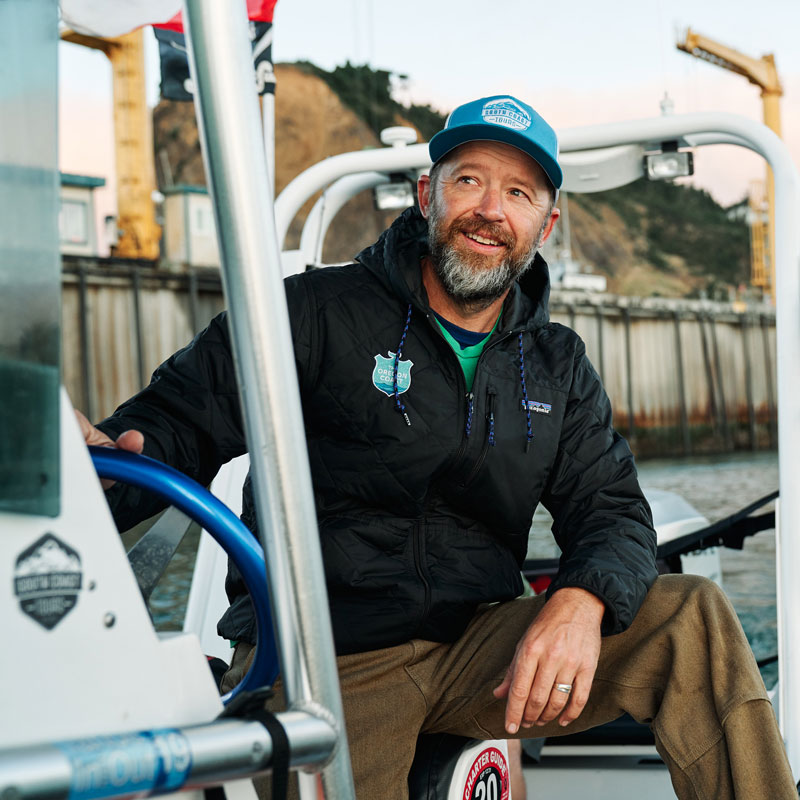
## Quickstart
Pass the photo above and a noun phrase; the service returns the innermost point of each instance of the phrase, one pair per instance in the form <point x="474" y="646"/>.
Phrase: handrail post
<point x="229" y="124"/>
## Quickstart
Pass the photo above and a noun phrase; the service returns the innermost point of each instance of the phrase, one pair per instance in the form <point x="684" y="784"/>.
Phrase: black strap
<point x="215" y="793"/>
<point x="250" y="706"/>
<point x="280" y="751"/>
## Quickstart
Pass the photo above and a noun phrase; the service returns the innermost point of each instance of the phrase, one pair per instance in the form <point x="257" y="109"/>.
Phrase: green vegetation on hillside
<point x="367" y="92"/>
<point x="678" y="220"/>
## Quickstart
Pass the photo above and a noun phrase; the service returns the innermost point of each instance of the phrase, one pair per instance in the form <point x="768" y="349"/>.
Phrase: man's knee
<point x="243" y="655"/>
<point x="687" y="606"/>
<point x="680" y="591"/>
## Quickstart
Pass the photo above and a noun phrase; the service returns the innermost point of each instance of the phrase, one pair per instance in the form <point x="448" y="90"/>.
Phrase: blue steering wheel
<point x="228" y="530"/>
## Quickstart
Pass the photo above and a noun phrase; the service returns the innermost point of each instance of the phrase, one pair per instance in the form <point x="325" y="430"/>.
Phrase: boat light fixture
<point x="395" y="195"/>
<point x="669" y="164"/>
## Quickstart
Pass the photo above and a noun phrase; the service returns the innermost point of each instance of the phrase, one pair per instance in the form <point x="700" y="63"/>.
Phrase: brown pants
<point x="684" y="667"/>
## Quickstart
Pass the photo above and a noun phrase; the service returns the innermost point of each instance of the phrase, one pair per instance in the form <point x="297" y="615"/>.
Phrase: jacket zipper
<point x="417" y="534"/>
<point x="468" y="395"/>
<point x="462" y="445"/>
<point x="418" y="564"/>
<point x="490" y="395"/>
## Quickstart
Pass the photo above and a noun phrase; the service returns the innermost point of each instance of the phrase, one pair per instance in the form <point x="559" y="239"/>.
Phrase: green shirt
<point x="467" y="356"/>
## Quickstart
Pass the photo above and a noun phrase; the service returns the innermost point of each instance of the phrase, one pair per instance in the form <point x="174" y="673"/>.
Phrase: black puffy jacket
<point x="420" y="523"/>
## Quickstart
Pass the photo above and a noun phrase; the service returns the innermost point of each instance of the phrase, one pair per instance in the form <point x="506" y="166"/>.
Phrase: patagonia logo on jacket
<point x="537" y="407"/>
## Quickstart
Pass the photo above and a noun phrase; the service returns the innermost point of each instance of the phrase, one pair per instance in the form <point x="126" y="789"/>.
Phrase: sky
<point x="576" y="63"/>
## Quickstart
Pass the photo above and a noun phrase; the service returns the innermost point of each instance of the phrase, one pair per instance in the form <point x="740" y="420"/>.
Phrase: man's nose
<point x="491" y="205"/>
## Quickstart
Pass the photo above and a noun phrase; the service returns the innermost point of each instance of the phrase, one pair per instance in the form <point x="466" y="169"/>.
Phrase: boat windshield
<point x="30" y="264"/>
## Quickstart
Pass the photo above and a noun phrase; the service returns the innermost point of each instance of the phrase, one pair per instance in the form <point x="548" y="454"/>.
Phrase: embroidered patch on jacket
<point x="383" y="374"/>
<point x="537" y="407"/>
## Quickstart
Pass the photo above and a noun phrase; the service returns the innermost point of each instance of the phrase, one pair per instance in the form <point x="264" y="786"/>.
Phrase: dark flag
<point x="261" y="39"/>
<point x="176" y="82"/>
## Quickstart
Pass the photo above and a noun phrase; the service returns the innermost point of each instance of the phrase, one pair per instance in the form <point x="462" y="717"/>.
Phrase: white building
<point x="190" y="233"/>
<point x="77" y="230"/>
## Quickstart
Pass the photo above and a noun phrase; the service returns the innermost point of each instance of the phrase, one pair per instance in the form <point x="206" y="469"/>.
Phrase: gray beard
<point x="472" y="286"/>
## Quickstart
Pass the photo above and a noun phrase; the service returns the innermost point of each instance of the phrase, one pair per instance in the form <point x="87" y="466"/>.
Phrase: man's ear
<point x="424" y="194"/>
<point x="554" y="215"/>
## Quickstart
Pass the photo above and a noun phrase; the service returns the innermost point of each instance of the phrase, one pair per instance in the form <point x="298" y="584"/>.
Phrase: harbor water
<point x="716" y="486"/>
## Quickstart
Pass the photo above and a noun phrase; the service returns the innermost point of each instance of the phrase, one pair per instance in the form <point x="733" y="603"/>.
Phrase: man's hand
<point x="132" y="441"/>
<point x="562" y="646"/>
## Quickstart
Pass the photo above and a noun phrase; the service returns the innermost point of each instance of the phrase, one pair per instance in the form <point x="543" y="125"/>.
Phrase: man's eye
<point x="466" y="179"/>
<point x="518" y="193"/>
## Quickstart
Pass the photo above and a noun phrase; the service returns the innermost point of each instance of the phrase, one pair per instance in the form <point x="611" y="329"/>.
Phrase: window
<point x="203" y="220"/>
<point x="73" y="222"/>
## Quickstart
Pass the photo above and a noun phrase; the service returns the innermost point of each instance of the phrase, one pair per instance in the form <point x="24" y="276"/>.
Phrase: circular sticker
<point x="487" y="778"/>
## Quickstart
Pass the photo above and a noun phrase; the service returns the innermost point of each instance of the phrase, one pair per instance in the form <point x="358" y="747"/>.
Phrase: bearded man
<point x="441" y="406"/>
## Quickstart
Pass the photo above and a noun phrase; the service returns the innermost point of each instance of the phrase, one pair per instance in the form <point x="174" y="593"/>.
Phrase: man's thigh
<point x="384" y="710"/>
<point x="458" y="679"/>
<point x="684" y="648"/>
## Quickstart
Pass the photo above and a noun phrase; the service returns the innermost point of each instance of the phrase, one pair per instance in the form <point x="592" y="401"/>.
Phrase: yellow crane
<point x="763" y="73"/>
<point x="139" y="233"/>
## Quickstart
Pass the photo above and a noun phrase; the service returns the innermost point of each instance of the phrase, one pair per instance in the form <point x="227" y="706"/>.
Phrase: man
<point x="441" y="406"/>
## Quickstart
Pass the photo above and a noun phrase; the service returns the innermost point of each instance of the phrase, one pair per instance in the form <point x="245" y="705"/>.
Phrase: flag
<point x="104" y="19"/>
<point x="176" y="82"/>
<point x="261" y="39"/>
<point x="99" y="18"/>
<point x="259" y="10"/>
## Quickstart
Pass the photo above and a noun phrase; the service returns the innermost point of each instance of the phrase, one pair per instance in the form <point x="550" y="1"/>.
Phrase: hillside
<point x="655" y="238"/>
<point x="648" y="238"/>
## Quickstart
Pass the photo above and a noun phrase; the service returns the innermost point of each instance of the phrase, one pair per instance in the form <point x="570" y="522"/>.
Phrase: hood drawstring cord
<point x="470" y="408"/>
<point x="490" y="416"/>
<point x="398" y="405"/>
<point x="525" y="394"/>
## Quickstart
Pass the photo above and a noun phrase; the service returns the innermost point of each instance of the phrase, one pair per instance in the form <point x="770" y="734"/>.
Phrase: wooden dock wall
<point x="683" y="376"/>
<point x="119" y="322"/>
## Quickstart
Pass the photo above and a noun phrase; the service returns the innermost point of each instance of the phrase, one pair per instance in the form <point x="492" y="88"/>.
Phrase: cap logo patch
<point x="507" y="113"/>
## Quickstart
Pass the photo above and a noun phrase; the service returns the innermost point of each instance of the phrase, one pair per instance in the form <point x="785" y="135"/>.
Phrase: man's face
<point x="488" y="213"/>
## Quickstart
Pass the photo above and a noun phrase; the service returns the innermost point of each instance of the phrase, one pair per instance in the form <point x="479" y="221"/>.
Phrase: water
<point x="715" y="485"/>
<point x="718" y="486"/>
<point x="168" y="600"/>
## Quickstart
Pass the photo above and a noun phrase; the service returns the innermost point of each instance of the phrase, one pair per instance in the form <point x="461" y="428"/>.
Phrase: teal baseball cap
<point x="501" y="118"/>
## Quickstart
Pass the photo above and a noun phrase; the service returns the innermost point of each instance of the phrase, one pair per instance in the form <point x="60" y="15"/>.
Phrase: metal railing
<point x="147" y="763"/>
<point x="229" y="124"/>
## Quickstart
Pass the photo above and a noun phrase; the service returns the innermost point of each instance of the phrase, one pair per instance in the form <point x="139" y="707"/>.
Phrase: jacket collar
<point x="395" y="261"/>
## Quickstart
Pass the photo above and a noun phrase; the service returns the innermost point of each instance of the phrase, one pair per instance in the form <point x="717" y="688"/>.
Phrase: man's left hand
<point x="561" y="646"/>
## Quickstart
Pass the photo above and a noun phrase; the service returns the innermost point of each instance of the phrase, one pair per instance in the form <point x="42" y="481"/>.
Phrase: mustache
<point x="489" y="230"/>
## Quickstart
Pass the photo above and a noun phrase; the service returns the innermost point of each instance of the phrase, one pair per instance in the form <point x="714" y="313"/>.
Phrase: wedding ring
<point x="563" y="687"/>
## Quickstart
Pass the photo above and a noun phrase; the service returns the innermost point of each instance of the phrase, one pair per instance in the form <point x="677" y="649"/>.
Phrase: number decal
<point x="487" y="778"/>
